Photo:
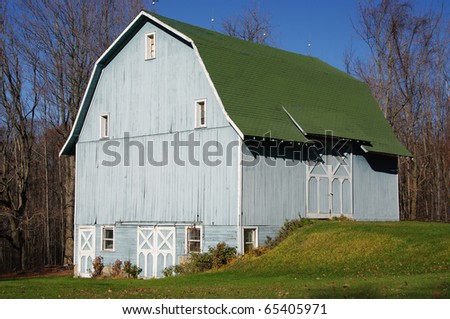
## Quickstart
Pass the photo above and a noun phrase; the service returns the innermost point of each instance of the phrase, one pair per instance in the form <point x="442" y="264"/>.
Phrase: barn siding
<point x="169" y="193"/>
<point x="126" y="240"/>
<point x="375" y="188"/>
<point x="147" y="97"/>
<point x="151" y="100"/>
<point x="273" y="189"/>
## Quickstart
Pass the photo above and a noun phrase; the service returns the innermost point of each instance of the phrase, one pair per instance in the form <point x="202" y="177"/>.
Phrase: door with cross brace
<point x="86" y="250"/>
<point x="155" y="250"/>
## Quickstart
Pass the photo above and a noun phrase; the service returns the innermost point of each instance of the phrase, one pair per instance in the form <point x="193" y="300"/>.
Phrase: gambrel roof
<point x="270" y="92"/>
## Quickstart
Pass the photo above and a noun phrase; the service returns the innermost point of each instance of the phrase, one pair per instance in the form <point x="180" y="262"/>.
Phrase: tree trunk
<point x="69" y="186"/>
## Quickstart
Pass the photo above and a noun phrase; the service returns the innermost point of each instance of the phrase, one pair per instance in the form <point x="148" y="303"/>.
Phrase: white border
<point x="108" y="125"/>
<point x="147" y="54"/>
<point x="198" y="125"/>
<point x="186" y="246"/>
<point x="256" y="237"/>
<point x="102" y="228"/>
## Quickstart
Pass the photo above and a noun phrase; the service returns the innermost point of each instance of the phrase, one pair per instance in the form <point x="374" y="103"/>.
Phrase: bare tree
<point x="47" y="54"/>
<point x="18" y="110"/>
<point x="408" y="74"/>
<point x="65" y="37"/>
<point x="253" y="25"/>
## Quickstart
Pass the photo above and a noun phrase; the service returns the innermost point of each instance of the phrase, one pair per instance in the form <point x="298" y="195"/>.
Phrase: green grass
<point x="328" y="259"/>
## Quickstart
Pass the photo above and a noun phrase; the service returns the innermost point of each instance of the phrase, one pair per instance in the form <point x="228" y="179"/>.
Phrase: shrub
<point x="214" y="258"/>
<point x="287" y="229"/>
<point x="97" y="265"/>
<point x="116" y="268"/>
<point x="132" y="271"/>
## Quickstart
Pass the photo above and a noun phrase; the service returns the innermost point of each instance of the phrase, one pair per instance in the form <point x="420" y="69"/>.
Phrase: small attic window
<point x="150" y="44"/>
<point x="200" y="113"/>
<point x="104" y="125"/>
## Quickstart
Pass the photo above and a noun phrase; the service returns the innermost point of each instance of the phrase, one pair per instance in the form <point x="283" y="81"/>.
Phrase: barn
<point x="186" y="137"/>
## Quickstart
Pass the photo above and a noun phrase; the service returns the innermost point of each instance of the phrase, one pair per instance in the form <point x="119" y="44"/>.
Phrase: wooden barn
<point x="187" y="137"/>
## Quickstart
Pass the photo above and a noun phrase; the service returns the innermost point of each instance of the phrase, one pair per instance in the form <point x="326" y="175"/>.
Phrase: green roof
<point x="257" y="83"/>
<point x="269" y="92"/>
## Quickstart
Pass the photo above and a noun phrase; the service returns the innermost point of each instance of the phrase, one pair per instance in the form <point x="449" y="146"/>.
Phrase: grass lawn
<point x="329" y="259"/>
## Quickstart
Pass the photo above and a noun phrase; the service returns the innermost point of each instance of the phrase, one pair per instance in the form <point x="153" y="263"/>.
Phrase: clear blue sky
<point x="326" y="24"/>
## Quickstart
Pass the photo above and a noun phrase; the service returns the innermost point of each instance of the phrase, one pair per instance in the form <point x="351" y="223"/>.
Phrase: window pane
<point x="194" y="234"/>
<point x="248" y="235"/>
<point x="194" y="246"/>
<point x="109" y="244"/>
<point x="109" y="234"/>
<point x="202" y="114"/>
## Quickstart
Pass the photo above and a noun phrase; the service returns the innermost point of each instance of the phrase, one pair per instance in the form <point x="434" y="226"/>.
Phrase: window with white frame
<point x="150" y="46"/>
<point x="108" y="234"/>
<point x="250" y="239"/>
<point x="193" y="239"/>
<point x="200" y="113"/>
<point x="104" y="125"/>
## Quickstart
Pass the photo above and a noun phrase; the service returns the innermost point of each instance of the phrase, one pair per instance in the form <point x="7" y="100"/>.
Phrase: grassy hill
<point x="329" y="259"/>
<point x="353" y="249"/>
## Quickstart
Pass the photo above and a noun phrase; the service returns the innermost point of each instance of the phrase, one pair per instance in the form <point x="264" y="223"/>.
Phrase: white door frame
<point x="331" y="174"/>
<point x="86" y="250"/>
<point x="151" y="241"/>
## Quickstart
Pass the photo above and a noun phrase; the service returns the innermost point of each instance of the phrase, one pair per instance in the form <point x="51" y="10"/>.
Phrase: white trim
<point x="216" y="94"/>
<point x="364" y="149"/>
<point x="294" y="121"/>
<point x="104" y="119"/>
<point x="186" y="238"/>
<point x="102" y="238"/>
<point x="240" y="248"/>
<point x="86" y="253"/>
<point x="149" y="55"/>
<point x="197" y="115"/>
<point x="330" y="175"/>
<point x="256" y="238"/>
<point x="75" y="214"/>
<point x="155" y="248"/>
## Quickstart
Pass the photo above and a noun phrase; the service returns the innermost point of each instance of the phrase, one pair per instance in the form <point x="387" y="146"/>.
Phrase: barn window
<point x="200" y="113"/>
<point x="108" y="238"/>
<point x="194" y="239"/>
<point x="250" y="239"/>
<point x="150" y="45"/>
<point x="104" y="125"/>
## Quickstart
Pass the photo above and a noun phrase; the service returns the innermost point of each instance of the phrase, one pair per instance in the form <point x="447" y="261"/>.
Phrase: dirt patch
<point x="45" y="272"/>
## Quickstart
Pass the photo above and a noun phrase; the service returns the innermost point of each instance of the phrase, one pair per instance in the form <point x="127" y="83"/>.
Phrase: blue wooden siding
<point x="125" y="241"/>
<point x="273" y="189"/>
<point x="151" y="96"/>
<point x="153" y="99"/>
<point x="375" y="188"/>
<point x="169" y="193"/>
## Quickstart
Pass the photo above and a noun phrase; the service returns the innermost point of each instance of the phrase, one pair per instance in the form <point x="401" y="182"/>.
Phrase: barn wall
<point x="375" y="188"/>
<point x="168" y="193"/>
<point x="147" y="97"/>
<point x="151" y="104"/>
<point x="273" y="187"/>
<point x="126" y="241"/>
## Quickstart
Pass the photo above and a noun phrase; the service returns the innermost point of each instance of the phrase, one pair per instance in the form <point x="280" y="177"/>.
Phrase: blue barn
<point x="186" y="137"/>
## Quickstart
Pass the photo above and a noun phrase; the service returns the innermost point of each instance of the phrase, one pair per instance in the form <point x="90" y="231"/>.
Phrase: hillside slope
<point x="354" y="249"/>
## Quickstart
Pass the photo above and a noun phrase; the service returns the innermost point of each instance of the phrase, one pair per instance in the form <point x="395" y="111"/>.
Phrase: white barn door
<point x="155" y="250"/>
<point x="86" y="250"/>
<point x="329" y="184"/>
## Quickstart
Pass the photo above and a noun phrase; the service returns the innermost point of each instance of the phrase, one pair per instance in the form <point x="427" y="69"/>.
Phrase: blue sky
<point x="326" y="24"/>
